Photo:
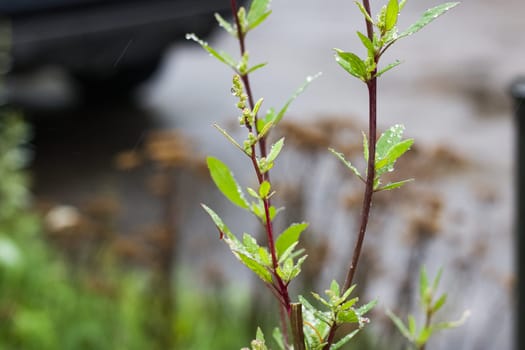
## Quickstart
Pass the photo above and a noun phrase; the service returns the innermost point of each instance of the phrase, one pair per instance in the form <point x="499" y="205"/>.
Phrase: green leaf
<point x="257" y="106"/>
<point x="255" y="266"/>
<point x="223" y="229"/>
<point x="264" y="189"/>
<point x="229" y="137"/>
<point x="362" y="310"/>
<point x="347" y="316"/>
<point x="276" y="118"/>
<point x="423" y="283"/>
<point x="259" y="335"/>
<point x="322" y="316"/>
<point x="412" y="328"/>
<point x="348" y="164"/>
<point x="396" y="151"/>
<point x="387" y="140"/>
<point x="423" y="336"/>
<point x="363" y="11"/>
<point x="278" y="337"/>
<point x="427" y="17"/>
<point x="221" y="56"/>
<point x="250" y="244"/>
<point x="334" y="288"/>
<point x="393" y="185"/>
<point x="289" y="237"/>
<point x="258" y="12"/>
<point x="392" y="12"/>
<point x="367" y="43"/>
<point x="254" y="68"/>
<point x="296" y="270"/>
<point x="347" y="293"/>
<point x="399" y="324"/>
<point x="226" y="183"/>
<point x="252" y="193"/>
<point x="289" y="253"/>
<point x="275" y="150"/>
<point x="344" y="340"/>
<point x="352" y="64"/>
<point x="365" y="147"/>
<point x="349" y="303"/>
<point x="264" y="257"/>
<point x="435" y="283"/>
<point x="226" y="25"/>
<point x="439" y="303"/>
<point x="452" y="324"/>
<point x="388" y="67"/>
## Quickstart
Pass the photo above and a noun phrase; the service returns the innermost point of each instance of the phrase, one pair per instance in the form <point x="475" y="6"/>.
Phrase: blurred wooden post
<point x="518" y="93"/>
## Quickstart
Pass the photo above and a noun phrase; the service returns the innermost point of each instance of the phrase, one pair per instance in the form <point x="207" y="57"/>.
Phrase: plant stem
<point x="369" y="26"/>
<point x="428" y="320"/>
<point x="296" y="320"/>
<point x="246" y="79"/>
<point x="370" y="174"/>
<point x="281" y="288"/>
<point x="369" y="187"/>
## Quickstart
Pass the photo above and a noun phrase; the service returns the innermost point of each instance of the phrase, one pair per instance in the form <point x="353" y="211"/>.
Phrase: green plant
<point x="279" y="261"/>
<point x="419" y="336"/>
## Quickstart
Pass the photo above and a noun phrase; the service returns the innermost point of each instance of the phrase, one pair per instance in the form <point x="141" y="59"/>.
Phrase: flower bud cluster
<point x="247" y="116"/>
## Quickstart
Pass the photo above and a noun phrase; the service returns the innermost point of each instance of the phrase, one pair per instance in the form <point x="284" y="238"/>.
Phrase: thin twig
<point x="280" y="287"/>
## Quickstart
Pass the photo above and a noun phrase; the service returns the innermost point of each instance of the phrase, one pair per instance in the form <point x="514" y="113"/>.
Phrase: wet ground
<point x="450" y="93"/>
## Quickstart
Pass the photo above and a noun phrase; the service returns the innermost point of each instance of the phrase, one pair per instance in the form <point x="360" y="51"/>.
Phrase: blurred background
<point x="106" y="123"/>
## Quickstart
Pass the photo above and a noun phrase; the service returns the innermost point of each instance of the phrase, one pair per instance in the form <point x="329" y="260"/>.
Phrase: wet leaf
<point x="258" y="12"/>
<point x="264" y="189"/>
<point x="275" y="150"/>
<point x="226" y="25"/>
<point x="367" y="43"/>
<point x="439" y="303"/>
<point x="226" y="183"/>
<point x="344" y="340"/>
<point x="229" y="137"/>
<point x="254" y="68"/>
<point x="223" y="229"/>
<point x="363" y="11"/>
<point x="221" y="56"/>
<point x="289" y="237"/>
<point x="276" y="118"/>
<point x="394" y="185"/>
<point x="255" y="266"/>
<point x="427" y="17"/>
<point x="348" y="164"/>
<point x="399" y="324"/>
<point x="352" y="64"/>
<point x="392" y="12"/>
<point x="388" y="67"/>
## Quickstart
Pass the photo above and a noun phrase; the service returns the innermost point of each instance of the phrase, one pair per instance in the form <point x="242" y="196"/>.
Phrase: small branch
<point x="296" y="321"/>
<point x="246" y="80"/>
<point x="369" y="26"/>
<point x="331" y="336"/>
<point x="280" y="289"/>
<point x="428" y="320"/>
<point x="370" y="176"/>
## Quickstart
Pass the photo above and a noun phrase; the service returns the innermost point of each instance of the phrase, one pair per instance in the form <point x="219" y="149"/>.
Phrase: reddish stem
<point x="281" y="288"/>
<point x="246" y="79"/>
<point x="370" y="175"/>
<point x="369" y="187"/>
